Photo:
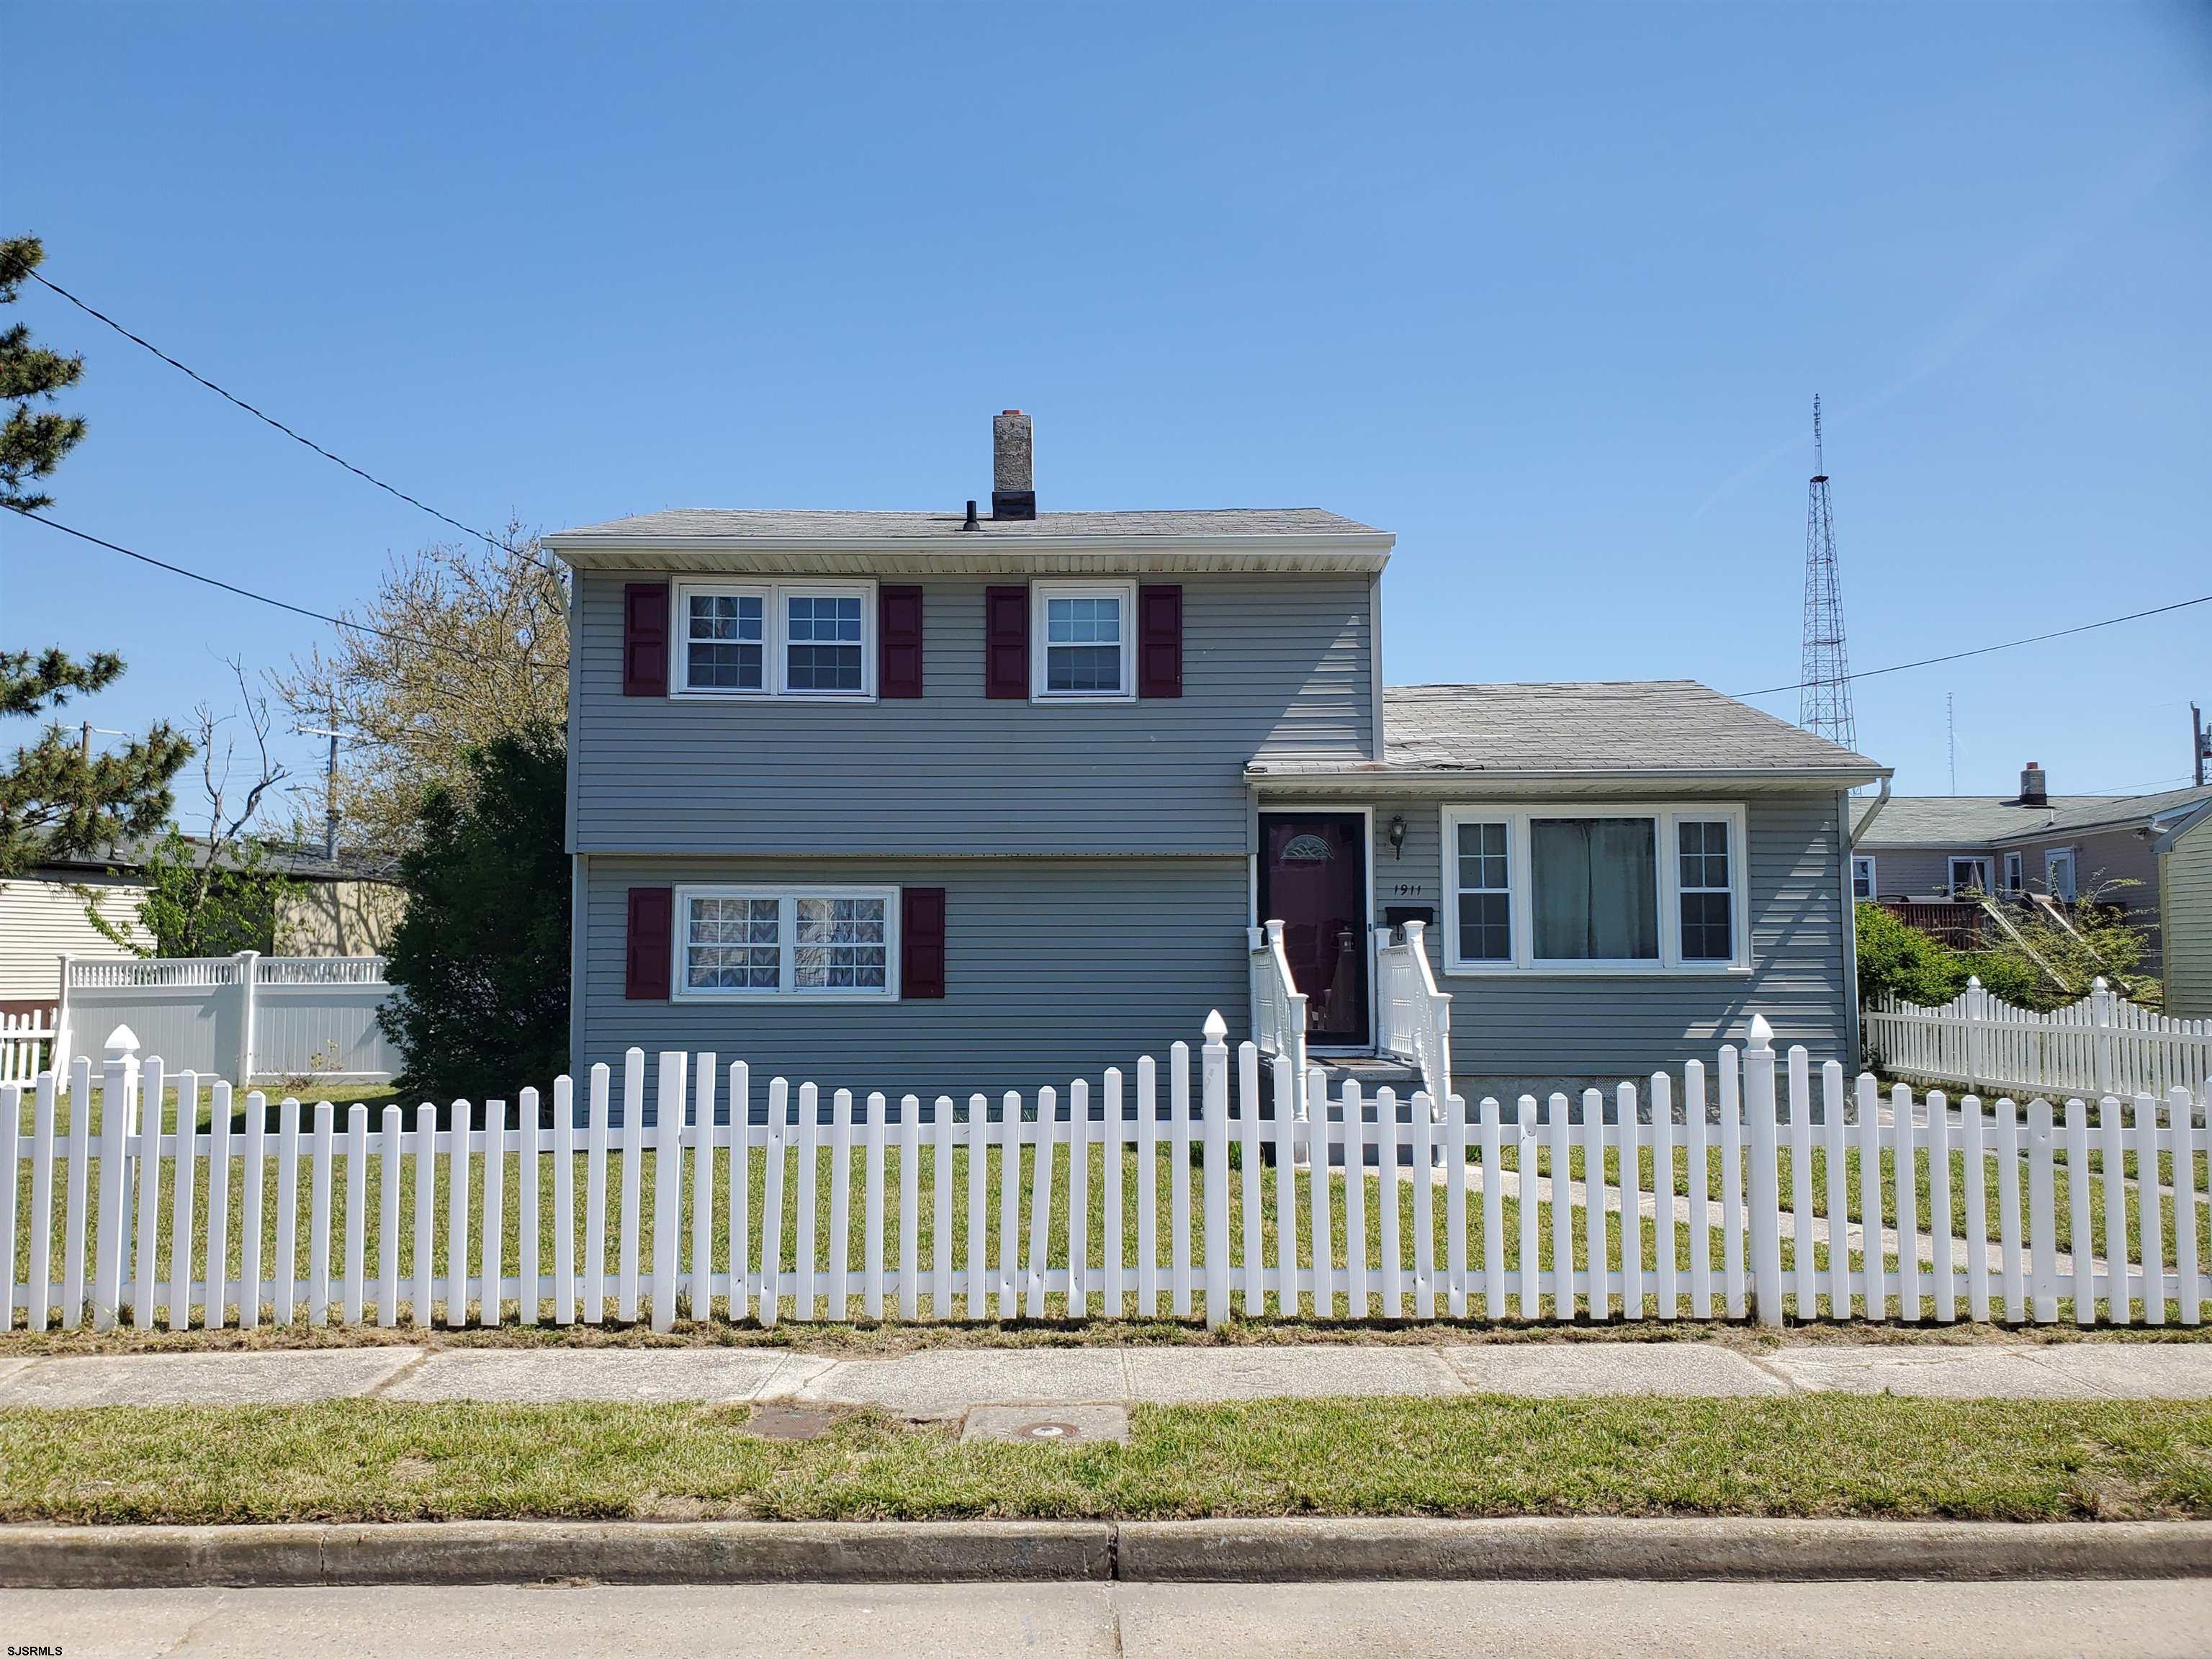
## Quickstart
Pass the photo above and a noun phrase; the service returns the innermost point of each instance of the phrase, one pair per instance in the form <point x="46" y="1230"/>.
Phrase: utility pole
<point x="330" y="782"/>
<point x="1951" y="735"/>
<point x="2200" y="742"/>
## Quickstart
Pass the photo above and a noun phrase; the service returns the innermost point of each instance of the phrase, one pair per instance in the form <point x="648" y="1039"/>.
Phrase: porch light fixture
<point x="1397" y="836"/>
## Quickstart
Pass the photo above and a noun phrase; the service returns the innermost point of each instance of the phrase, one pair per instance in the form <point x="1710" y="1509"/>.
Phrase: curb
<point x="1162" y="1551"/>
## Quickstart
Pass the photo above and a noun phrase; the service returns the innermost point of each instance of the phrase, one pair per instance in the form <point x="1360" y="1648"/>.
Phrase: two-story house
<point x="942" y="802"/>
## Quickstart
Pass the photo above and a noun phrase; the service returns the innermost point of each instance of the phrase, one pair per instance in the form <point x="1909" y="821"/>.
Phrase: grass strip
<point x="371" y="1461"/>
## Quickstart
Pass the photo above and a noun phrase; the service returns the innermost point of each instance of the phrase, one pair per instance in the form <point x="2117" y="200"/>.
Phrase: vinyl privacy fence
<point x="1780" y="1192"/>
<point x="2102" y="1045"/>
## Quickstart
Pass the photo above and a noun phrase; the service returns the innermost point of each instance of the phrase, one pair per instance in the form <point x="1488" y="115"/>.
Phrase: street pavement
<point x="2115" y="1619"/>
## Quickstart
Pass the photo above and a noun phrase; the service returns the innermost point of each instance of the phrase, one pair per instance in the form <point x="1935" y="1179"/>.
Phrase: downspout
<point x="579" y="868"/>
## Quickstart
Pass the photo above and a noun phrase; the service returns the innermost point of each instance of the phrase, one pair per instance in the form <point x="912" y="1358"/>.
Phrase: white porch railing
<point x="1416" y="1016"/>
<point x="1278" y="1010"/>
<point x="2103" y="1044"/>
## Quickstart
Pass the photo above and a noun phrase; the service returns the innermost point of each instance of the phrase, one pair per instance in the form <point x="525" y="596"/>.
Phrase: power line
<point x="270" y="420"/>
<point x="247" y="593"/>
<point x="1984" y="650"/>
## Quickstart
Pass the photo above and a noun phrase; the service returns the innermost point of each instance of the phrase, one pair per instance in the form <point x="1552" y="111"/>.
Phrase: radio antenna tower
<point x="1824" y="699"/>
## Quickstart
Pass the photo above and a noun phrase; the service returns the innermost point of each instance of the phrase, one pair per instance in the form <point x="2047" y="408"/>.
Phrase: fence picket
<point x="1731" y="1106"/>
<point x="321" y="1156"/>
<point x="1079" y="1199"/>
<point x="1047" y="1131"/>
<point x="1974" y="1181"/>
<point x="1663" y="1187"/>
<point x="1423" y="1185"/>
<point x="146" y="1149"/>
<point x="940" y="1294"/>
<point x="79" y="1220"/>
<point x="2078" y="1219"/>
<point x="2012" y="1261"/>
<point x="11" y="1123"/>
<point x="1493" y="1206"/>
<point x="1355" y="1201"/>
<point x="702" y="1192"/>
<point x="1525" y="1156"/>
<point x="456" y="1216"/>
<point x="771" y="1221"/>
<point x="595" y="1200"/>
<point x="1248" y="1146"/>
<point x="2042" y="1220"/>
<point x="632" y="1183"/>
<point x="1148" y="1195"/>
<point x="2181" y="1117"/>
<point x="741" y="1190"/>
<point x="1599" y="1300"/>
<point x="249" y="1212"/>
<point x="1701" y="1219"/>
<point x="184" y="1181"/>
<point x="492" y="1253"/>
<point x="1386" y="1202"/>
<point x="1320" y="1244"/>
<point x="1904" y="1161"/>
<point x="356" y="1218"/>
<point x="1010" y="1200"/>
<point x="42" y="1204"/>
<point x="910" y="1259"/>
<point x="1763" y="1194"/>
<point x="1631" y="1203"/>
<point x="872" y="1260"/>
<point x="979" y="1163"/>
<point x="387" y="1229"/>
<point x="2149" y="1228"/>
<point x="1801" y="1183"/>
<point x="839" y="1247"/>
<point x="804" y="1220"/>
<point x="1283" y="1077"/>
<point x="1214" y="1100"/>
<point x="285" y="1299"/>
<point x="1871" y="1252"/>
<point x="1179" y="1174"/>
<point x="1454" y="1152"/>
<point x="530" y="1307"/>
<point x="1941" y="1228"/>
<point x="1110" y="1192"/>
<point x="426" y="1210"/>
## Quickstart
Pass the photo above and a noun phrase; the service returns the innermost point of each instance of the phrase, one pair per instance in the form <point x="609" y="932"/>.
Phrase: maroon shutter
<point x="898" y="642"/>
<point x="921" y="942"/>
<point x="1159" y="641"/>
<point x="652" y="942"/>
<point x="1006" y="642"/>
<point x="645" y="638"/>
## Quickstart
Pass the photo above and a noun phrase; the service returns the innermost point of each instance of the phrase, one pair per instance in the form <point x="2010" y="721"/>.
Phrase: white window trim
<point x="1951" y="872"/>
<point x="1669" y="965"/>
<point x="775" y="669"/>
<point x="1041" y="647"/>
<point x="787" y="894"/>
<point x="1874" y="888"/>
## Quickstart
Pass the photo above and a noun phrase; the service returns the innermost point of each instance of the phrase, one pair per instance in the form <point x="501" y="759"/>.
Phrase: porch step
<point x="1369" y="1072"/>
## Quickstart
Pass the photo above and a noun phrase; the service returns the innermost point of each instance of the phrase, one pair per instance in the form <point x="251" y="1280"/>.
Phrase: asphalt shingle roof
<point x="1594" y="727"/>
<point x="682" y="524"/>
<point x="1965" y="820"/>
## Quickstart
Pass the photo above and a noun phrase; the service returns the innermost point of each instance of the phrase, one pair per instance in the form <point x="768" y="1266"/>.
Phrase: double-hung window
<point x="1596" y="890"/>
<point x="775" y="639"/>
<point x="1863" y="886"/>
<point x="832" y="943"/>
<point x="1085" y="635"/>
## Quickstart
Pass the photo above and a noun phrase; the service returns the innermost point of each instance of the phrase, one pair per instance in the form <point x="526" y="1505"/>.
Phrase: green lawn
<point x="1510" y="1239"/>
<point x="1827" y="1456"/>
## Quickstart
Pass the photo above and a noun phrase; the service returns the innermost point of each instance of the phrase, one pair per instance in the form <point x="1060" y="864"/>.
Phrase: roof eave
<point x="1372" y="777"/>
<point x="956" y="550"/>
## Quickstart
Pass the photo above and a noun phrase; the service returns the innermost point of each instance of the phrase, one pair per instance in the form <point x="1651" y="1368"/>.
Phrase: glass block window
<point x="1706" y="893"/>
<point x="733" y="945"/>
<point x="822" y="642"/>
<point x="723" y="641"/>
<point x="1485" y="898"/>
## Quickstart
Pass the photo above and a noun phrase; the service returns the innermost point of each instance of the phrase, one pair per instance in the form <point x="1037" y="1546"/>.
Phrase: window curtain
<point x="1596" y="889"/>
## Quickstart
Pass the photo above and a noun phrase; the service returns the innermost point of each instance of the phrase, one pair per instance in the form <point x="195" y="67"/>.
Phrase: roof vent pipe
<point x="971" y="524"/>
<point x="1013" y="487"/>
<point x="2034" y="786"/>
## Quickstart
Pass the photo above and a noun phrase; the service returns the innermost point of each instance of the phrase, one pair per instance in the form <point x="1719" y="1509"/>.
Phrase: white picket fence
<point x="2101" y="1045"/>
<point x="26" y="1045"/>
<point x="1714" y="1237"/>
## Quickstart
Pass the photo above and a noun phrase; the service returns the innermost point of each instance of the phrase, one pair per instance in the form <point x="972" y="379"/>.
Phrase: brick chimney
<point x="2034" y="787"/>
<point x="1013" y="489"/>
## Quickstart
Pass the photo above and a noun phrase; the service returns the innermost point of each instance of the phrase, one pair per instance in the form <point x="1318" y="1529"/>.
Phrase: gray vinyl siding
<point x="2186" y="901"/>
<point x="1054" y="970"/>
<point x="1920" y="872"/>
<point x="1537" y="1027"/>
<point x="1273" y="665"/>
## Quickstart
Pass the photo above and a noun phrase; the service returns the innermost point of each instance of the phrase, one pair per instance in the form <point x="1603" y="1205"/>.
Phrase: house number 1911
<point x="1406" y="890"/>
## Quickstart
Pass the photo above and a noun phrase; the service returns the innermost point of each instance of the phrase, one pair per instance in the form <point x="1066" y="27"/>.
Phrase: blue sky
<point x="1547" y="291"/>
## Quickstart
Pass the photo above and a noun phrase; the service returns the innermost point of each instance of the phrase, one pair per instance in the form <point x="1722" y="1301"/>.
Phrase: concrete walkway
<point x="947" y="1383"/>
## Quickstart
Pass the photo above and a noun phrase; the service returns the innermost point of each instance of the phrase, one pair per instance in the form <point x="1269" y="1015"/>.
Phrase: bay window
<point x="830" y="944"/>
<point x="1593" y="889"/>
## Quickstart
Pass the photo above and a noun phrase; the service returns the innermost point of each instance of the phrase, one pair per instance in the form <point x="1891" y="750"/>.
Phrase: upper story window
<point x="1086" y="639"/>
<point x="819" y="637"/>
<point x="1609" y="889"/>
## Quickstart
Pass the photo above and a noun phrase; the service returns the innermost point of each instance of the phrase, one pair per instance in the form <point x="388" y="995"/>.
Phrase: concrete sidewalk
<point x="946" y="1382"/>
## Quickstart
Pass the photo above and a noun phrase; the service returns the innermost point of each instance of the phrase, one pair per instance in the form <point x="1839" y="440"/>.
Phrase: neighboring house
<point x="341" y="908"/>
<point x="2069" y="847"/>
<point x="2183" y="851"/>
<point x="919" y="802"/>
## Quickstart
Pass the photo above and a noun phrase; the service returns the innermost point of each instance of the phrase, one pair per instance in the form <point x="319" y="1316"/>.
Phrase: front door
<point x="1313" y="879"/>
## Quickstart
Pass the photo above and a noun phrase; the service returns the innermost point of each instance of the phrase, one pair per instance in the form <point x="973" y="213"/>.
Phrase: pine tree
<point x="60" y="799"/>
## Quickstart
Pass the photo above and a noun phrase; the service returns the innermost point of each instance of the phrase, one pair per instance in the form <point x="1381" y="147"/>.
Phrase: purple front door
<point x="1313" y="879"/>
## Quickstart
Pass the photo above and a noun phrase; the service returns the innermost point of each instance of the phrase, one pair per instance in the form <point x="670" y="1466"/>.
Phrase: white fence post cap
<point x="2099" y="985"/>
<point x="1217" y="1028"/>
<point x="1762" y="1033"/>
<point x="122" y="1042"/>
<point x="1973" y="982"/>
